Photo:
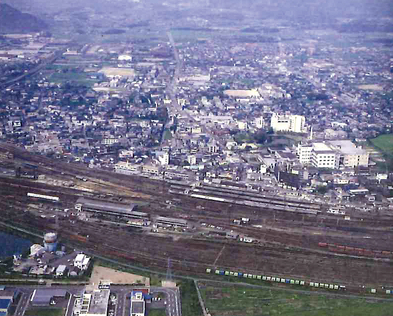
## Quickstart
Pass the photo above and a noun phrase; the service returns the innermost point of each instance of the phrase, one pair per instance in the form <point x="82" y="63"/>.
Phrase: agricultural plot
<point x="384" y="143"/>
<point x="237" y="300"/>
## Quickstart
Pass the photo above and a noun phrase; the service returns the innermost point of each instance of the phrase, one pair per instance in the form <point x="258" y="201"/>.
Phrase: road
<point x="33" y="71"/>
<point x="172" y="299"/>
<point x="175" y="109"/>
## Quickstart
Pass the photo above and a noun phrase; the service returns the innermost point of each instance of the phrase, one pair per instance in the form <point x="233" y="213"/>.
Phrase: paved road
<point x="172" y="299"/>
<point x="23" y="302"/>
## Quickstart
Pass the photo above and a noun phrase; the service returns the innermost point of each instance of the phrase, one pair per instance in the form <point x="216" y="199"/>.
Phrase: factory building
<point x="138" y="304"/>
<point x="288" y="123"/>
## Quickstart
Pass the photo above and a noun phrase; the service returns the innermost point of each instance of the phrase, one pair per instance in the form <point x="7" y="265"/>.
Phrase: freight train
<point x="356" y="251"/>
<point x="329" y="286"/>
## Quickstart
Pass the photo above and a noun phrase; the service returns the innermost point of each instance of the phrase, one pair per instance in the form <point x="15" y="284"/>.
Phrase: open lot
<point x="237" y="300"/>
<point x="116" y="277"/>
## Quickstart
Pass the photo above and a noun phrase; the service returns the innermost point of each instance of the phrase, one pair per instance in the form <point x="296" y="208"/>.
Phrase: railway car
<point x="208" y="270"/>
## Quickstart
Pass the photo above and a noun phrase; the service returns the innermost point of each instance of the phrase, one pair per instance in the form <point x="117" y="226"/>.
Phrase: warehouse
<point x="108" y="208"/>
<point x="176" y="222"/>
<point x="43" y="297"/>
<point x="93" y="304"/>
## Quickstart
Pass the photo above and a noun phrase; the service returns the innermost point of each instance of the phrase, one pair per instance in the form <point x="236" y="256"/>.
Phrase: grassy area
<point x="384" y="143"/>
<point x="238" y="300"/>
<point x="156" y="312"/>
<point x="45" y="312"/>
<point x="189" y="299"/>
<point x="78" y="77"/>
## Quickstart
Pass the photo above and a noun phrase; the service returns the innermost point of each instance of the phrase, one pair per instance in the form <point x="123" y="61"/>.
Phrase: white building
<point x="163" y="158"/>
<point x="61" y="270"/>
<point x="332" y="154"/>
<point x="125" y="57"/>
<point x="350" y="155"/>
<point x="288" y="123"/>
<point x="260" y="122"/>
<point x="137" y="304"/>
<point x="304" y="154"/>
<point x="323" y="156"/>
<point x="81" y="261"/>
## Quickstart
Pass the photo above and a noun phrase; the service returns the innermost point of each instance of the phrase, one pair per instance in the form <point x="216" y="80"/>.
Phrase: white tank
<point x="50" y="238"/>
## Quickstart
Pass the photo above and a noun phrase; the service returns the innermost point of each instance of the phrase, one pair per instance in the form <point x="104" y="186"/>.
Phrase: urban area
<point x="196" y="144"/>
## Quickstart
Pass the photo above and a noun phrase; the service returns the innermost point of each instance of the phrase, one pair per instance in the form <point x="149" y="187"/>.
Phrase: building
<point x="332" y="154"/>
<point x="107" y="208"/>
<point x="61" y="270"/>
<point x="260" y="122"/>
<point x="138" y="304"/>
<point x="323" y="156"/>
<point x="5" y="304"/>
<point x="350" y="155"/>
<point x="304" y="154"/>
<point x="43" y="297"/>
<point x="81" y="261"/>
<point x="93" y="304"/>
<point x="288" y="123"/>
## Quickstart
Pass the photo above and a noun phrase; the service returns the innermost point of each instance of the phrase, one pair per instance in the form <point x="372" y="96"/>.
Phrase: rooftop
<point x="99" y="302"/>
<point x="106" y="206"/>
<point x="346" y="147"/>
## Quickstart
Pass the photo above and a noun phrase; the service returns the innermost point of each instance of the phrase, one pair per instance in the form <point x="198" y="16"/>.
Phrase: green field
<point x="78" y="77"/>
<point x="45" y="312"/>
<point x="156" y="312"/>
<point x="237" y="300"/>
<point x="384" y="143"/>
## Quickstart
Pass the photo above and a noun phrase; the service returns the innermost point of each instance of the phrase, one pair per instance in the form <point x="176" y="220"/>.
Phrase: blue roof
<point x="5" y="303"/>
<point x="3" y="314"/>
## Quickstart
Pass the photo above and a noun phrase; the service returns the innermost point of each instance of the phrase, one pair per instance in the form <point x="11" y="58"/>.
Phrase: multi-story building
<point x="332" y="154"/>
<point x="351" y="155"/>
<point x="323" y="156"/>
<point x="288" y="123"/>
<point x="304" y="154"/>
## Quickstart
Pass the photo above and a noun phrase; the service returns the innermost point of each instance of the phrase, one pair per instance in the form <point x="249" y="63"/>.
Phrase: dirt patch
<point x="116" y="277"/>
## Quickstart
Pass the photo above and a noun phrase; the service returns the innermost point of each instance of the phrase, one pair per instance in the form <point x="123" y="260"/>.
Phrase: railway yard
<point x="198" y="226"/>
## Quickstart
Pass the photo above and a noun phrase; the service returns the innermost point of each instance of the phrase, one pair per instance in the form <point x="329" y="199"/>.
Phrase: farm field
<point x="238" y="300"/>
<point x="384" y="143"/>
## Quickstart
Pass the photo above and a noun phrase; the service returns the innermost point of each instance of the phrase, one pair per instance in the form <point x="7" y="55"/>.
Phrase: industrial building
<point x="43" y="297"/>
<point x="138" y="304"/>
<point x="108" y="208"/>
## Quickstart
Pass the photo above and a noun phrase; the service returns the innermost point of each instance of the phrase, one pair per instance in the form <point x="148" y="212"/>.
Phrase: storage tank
<point x="50" y="242"/>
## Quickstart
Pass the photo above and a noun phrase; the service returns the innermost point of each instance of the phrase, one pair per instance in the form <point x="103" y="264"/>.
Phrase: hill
<point x="14" y="21"/>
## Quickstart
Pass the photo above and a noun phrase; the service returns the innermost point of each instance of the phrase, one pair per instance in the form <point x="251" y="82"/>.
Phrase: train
<point x="356" y="251"/>
<point x="288" y="281"/>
